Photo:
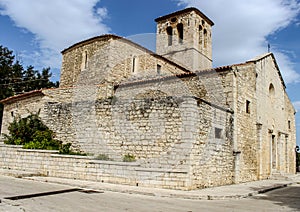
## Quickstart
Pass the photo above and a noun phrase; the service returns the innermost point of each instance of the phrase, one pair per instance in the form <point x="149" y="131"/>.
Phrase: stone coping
<point x="118" y="163"/>
<point x="20" y="149"/>
<point x="38" y="150"/>
<point x="163" y="170"/>
<point x="71" y="156"/>
<point x="11" y="146"/>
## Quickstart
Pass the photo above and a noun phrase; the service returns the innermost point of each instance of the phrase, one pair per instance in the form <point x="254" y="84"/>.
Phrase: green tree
<point x="44" y="79"/>
<point x="6" y="63"/>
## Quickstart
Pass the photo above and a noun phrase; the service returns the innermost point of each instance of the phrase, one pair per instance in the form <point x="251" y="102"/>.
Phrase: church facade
<point x="171" y="109"/>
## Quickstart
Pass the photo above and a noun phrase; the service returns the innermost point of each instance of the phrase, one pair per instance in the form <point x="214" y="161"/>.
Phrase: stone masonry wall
<point x="211" y="155"/>
<point x="275" y="113"/>
<point x="247" y="166"/>
<point x="145" y="121"/>
<point x="288" y="157"/>
<point x="113" y="60"/>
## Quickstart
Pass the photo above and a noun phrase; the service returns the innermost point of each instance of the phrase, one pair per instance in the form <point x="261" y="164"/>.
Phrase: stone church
<point x="188" y="125"/>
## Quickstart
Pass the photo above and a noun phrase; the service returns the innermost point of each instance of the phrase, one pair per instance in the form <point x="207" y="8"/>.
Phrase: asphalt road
<point x="26" y="195"/>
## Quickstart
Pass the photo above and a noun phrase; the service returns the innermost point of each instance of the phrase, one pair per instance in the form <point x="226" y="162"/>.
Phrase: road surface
<point x="27" y="195"/>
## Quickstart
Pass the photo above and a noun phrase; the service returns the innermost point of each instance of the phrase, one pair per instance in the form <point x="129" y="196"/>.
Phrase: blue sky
<point x="37" y="30"/>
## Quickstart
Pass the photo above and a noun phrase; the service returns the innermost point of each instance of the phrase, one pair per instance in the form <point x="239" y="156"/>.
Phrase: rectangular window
<point x="218" y="133"/>
<point x="289" y="125"/>
<point x="247" y="106"/>
<point x="158" y="69"/>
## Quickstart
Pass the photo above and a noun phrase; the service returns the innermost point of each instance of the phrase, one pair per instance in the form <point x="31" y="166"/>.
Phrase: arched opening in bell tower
<point x="180" y="32"/>
<point x="170" y="35"/>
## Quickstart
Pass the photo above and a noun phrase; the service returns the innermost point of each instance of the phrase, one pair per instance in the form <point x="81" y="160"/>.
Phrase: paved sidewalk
<point x="235" y="191"/>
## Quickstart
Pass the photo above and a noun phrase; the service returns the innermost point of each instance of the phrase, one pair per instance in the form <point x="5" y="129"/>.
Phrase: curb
<point x="274" y="188"/>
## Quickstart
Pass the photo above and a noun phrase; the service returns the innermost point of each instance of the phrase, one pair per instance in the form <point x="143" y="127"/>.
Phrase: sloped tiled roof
<point x="175" y="76"/>
<point x="22" y="96"/>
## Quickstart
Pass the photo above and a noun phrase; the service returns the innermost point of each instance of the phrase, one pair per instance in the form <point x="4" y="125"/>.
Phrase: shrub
<point x="22" y="130"/>
<point x="65" y="148"/>
<point x="32" y="133"/>
<point x="129" y="158"/>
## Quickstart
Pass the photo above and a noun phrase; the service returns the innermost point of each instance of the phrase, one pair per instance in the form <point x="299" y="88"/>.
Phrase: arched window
<point x="84" y="63"/>
<point x="170" y="35"/>
<point x="205" y="38"/>
<point x="200" y="35"/>
<point x="180" y="32"/>
<point x="271" y="92"/>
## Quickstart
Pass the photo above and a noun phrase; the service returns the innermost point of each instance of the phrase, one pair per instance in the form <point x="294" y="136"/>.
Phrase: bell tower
<point x="184" y="37"/>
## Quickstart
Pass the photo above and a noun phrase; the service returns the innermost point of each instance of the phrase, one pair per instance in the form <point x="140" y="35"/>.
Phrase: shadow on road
<point x="289" y="197"/>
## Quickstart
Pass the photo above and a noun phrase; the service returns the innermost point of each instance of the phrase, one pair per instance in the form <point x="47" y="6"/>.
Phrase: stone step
<point x="276" y="175"/>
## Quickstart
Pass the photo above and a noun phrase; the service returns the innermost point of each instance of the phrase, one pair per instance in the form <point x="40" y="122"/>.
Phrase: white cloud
<point x="297" y="105"/>
<point x="56" y="24"/>
<point x="241" y="28"/>
<point x="102" y="11"/>
<point x="287" y="67"/>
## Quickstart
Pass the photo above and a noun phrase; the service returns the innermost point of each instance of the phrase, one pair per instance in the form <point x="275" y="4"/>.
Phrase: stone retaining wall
<point x="50" y="163"/>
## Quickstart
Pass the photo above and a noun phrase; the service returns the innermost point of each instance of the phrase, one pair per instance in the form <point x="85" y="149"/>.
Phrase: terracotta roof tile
<point x="22" y="96"/>
<point x="166" y="78"/>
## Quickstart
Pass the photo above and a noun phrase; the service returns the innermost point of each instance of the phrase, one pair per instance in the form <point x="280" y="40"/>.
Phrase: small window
<point x="289" y="124"/>
<point x="86" y="59"/>
<point x="133" y="64"/>
<point x="12" y="113"/>
<point x="170" y="35"/>
<point x="84" y="63"/>
<point x="247" y="106"/>
<point x="218" y="133"/>
<point x="158" y="69"/>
